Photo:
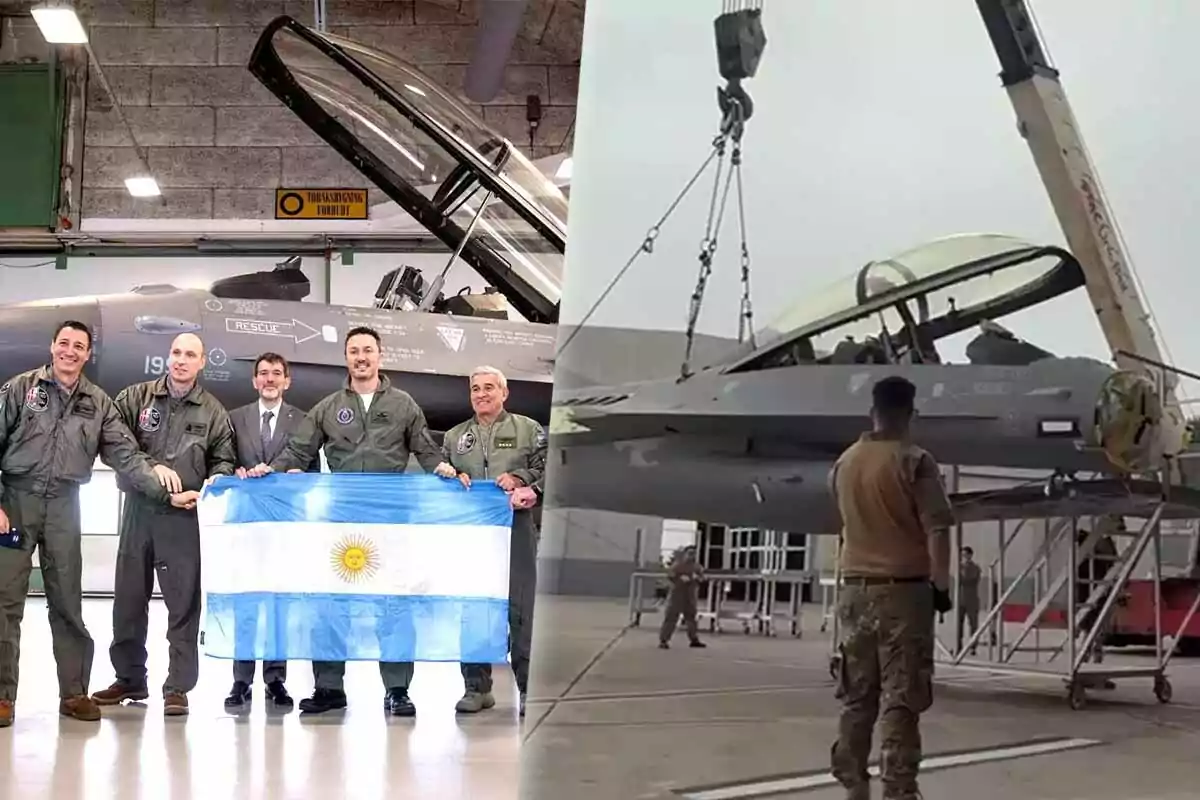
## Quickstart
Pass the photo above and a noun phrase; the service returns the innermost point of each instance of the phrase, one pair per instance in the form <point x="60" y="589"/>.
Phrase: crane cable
<point x="742" y="19"/>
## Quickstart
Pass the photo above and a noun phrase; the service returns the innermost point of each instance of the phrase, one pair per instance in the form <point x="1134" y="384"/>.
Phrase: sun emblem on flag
<point x="355" y="558"/>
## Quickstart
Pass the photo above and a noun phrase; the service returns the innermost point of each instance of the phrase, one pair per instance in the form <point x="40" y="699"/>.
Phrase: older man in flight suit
<point x="509" y="450"/>
<point x="180" y="425"/>
<point x="368" y="426"/>
<point x="895" y="566"/>
<point x="53" y="423"/>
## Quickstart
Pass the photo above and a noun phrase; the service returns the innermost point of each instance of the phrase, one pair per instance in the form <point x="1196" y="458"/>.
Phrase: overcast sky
<point x="877" y="127"/>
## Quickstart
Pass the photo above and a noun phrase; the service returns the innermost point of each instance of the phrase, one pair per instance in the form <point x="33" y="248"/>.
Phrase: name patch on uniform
<point x="37" y="399"/>
<point x="466" y="442"/>
<point x="196" y="429"/>
<point x="507" y="443"/>
<point x="381" y="416"/>
<point x="345" y="415"/>
<point x="85" y="409"/>
<point x="149" y="419"/>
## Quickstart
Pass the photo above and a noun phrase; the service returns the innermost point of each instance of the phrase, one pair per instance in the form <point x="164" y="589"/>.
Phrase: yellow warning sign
<point x="320" y="204"/>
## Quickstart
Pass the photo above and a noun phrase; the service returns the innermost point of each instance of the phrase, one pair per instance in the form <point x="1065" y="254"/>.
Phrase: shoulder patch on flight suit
<point x="196" y="428"/>
<point x="539" y="436"/>
<point x="149" y="419"/>
<point x="4" y="389"/>
<point x="466" y="442"/>
<point x="37" y="399"/>
<point x="505" y="442"/>
<point x="344" y="415"/>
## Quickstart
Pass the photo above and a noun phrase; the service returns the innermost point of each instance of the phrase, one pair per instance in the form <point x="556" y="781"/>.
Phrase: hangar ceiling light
<point x="142" y="186"/>
<point x="59" y="24"/>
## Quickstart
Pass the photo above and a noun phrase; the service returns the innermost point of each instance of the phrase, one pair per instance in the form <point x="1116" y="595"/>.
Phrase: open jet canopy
<point x="896" y="309"/>
<point x="433" y="156"/>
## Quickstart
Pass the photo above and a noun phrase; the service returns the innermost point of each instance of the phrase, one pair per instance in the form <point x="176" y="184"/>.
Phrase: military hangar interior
<point x="159" y="182"/>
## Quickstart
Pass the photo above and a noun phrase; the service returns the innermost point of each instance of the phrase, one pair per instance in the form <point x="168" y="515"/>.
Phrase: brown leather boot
<point x="7" y="712"/>
<point x="79" y="707"/>
<point x="175" y="705"/>
<point x="118" y="693"/>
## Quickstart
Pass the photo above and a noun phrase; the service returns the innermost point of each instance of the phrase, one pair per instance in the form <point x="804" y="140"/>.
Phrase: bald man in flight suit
<point x="895" y="567"/>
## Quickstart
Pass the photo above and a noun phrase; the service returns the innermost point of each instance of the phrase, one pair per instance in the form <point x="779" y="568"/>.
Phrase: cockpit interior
<point x="897" y="310"/>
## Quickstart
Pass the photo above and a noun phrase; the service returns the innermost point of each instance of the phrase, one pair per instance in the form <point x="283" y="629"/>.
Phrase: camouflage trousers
<point x="886" y="675"/>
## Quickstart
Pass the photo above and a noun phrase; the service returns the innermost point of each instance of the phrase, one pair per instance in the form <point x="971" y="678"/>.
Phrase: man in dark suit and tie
<point x="261" y="431"/>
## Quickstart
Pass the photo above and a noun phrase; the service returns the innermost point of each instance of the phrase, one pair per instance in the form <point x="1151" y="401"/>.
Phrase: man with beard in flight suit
<point x="368" y="426"/>
<point x="509" y="450"/>
<point x="53" y="424"/>
<point x="178" y="424"/>
<point x="261" y="430"/>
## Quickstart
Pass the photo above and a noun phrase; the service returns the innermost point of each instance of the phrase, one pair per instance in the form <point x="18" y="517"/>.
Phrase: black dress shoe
<point x="239" y="695"/>
<point x="323" y="700"/>
<point x="278" y="695"/>
<point x="397" y="703"/>
<point x="696" y="643"/>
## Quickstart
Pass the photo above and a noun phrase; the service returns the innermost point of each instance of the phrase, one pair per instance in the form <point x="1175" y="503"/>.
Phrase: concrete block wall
<point x="219" y="144"/>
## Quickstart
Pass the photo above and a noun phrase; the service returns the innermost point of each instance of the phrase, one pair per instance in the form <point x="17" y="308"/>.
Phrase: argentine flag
<point x="352" y="567"/>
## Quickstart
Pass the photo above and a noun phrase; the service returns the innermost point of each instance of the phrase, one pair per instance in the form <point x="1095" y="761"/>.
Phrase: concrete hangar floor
<point x="135" y="753"/>
<point x="612" y="716"/>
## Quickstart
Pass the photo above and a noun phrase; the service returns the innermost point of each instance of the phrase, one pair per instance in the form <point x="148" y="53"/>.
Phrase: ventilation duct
<point x="499" y="23"/>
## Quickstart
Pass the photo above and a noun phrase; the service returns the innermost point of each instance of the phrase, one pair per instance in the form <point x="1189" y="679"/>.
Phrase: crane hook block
<point x="740" y="43"/>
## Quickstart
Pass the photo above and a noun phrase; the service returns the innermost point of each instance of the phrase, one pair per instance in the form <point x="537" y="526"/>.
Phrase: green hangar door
<point x="30" y="144"/>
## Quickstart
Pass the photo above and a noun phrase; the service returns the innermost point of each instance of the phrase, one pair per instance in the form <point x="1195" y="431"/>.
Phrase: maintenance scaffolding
<point x="1066" y="646"/>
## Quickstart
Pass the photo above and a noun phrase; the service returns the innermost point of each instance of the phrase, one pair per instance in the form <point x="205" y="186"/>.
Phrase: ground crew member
<point x="969" y="576"/>
<point x="178" y="424"/>
<point x="260" y="431"/>
<point x="895" y="542"/>
<point x="357" y="427"/>
<point x="685" y="575"/>
<point x="510" y="450"/>
<point x="53" y="424"/>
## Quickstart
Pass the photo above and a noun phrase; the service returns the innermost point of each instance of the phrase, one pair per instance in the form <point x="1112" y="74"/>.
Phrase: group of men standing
<point x="165" y="439"/>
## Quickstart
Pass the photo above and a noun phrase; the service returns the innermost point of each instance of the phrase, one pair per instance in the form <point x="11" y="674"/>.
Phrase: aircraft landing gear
<point x="1076" y="696"/>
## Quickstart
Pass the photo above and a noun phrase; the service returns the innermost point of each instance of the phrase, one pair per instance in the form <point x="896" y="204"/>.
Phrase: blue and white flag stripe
<point x="341" y="567"/>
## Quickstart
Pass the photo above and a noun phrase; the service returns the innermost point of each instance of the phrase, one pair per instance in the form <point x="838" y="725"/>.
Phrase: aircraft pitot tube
<point x="1129" y="418"/>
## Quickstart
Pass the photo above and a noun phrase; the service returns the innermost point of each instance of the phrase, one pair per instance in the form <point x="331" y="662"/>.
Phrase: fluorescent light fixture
<point x="415" y="89"/>
<point x="564" y="170"/>
<point x="59" y="25"/>
<point x="142" y="186"/>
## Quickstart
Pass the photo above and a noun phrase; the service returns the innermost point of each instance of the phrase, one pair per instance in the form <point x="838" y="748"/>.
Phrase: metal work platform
<point x="765" y="615"/>
<point x="1069" y="648"/>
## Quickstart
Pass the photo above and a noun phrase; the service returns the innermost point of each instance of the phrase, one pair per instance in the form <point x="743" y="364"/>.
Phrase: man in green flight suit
<point x="510" y="450"/>
<point x="367" y="426"/>
<point x="53" y="424"/>
<point x="180" y="424"/>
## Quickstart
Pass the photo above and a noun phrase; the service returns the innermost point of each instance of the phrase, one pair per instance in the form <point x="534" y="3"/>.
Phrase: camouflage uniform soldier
<point x="969" y="575"/>
<point x="895" y="519"/>
<point x="685" y="574"/>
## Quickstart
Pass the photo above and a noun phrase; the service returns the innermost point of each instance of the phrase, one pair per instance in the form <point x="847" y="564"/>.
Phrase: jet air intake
<point x="1129" y="414"/>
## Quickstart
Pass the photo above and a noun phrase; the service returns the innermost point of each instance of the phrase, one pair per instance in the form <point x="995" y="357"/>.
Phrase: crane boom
<point x="1048" y="126"/>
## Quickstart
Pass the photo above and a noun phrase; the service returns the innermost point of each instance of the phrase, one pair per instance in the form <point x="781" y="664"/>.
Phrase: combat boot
<point x="175" y="704"/>
<point x="474" y="701"/>
<point x="80" y="707"/>
<point x="7" y="712"/>
<point x="120" y="692"/>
